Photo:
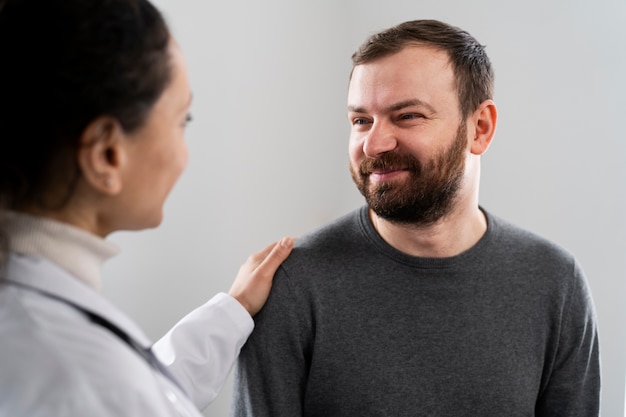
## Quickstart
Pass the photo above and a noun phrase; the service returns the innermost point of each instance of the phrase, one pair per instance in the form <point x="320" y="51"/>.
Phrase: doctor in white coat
<point x="94" y="100"/>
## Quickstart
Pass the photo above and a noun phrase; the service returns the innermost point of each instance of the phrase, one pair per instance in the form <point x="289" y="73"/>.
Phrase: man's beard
<point x="429" y="193"/>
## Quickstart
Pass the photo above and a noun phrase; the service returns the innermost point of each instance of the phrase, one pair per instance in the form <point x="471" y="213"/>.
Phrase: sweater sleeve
<point x="201" y="349"/>
<point x="272" y="369"/>
<point x="572" y="386"/>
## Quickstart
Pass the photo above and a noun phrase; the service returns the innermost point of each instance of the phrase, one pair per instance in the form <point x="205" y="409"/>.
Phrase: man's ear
<point x="102" y="155"/>
<point x="484" y="124"/>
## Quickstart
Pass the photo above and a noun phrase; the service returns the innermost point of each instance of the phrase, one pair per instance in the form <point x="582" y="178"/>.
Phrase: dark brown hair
<point x="65" y="63"/>
<point x="472" y="68"/>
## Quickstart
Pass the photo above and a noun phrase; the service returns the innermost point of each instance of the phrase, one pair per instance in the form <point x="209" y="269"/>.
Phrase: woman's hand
<point x="254" y="280"/>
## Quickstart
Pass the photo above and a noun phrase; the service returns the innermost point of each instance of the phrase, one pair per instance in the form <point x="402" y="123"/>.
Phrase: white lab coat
<point x="54" y="361"/>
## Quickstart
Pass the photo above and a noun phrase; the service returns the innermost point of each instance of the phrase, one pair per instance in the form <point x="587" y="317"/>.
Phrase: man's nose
<point x="381" y="138"/>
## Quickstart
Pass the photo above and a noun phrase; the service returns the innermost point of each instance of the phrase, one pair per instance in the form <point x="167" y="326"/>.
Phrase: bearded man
<point x="422" y="302"/>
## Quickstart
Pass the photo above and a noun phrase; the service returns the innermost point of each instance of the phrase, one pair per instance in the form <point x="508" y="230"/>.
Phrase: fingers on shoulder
<point x="275" y="253"/>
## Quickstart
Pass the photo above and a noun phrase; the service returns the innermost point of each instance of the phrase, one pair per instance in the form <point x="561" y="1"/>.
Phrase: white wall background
<point x="268" y="143"/>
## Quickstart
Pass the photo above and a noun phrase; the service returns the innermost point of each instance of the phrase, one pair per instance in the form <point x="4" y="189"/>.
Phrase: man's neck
<point x="450" y="236"/>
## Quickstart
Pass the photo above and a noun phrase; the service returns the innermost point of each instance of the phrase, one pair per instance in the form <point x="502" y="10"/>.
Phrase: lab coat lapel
<point x="44" y="276"/>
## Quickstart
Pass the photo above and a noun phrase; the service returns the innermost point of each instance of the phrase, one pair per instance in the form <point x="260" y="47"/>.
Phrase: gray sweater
<point x="354" y="327"/>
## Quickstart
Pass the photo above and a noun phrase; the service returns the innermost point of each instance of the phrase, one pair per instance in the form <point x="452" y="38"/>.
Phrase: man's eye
<point x="188" y="119"/>
<point x="411" y="116"/>
<point x="360" y="121"/>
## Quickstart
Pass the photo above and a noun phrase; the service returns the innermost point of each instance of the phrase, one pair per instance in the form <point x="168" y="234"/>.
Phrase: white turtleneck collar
<point x="75" y="250"/>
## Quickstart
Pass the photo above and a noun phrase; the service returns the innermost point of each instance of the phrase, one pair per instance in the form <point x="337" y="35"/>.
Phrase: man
<point x="422" y="303"/>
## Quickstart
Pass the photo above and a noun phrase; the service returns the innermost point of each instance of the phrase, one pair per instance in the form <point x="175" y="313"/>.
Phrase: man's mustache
<point x="389" y="162"/>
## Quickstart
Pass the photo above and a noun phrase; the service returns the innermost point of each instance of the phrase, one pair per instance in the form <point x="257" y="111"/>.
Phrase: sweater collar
<point x="75" y="250"/>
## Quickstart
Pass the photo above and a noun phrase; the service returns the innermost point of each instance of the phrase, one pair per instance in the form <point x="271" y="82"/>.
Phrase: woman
<point x="94" y="99"/>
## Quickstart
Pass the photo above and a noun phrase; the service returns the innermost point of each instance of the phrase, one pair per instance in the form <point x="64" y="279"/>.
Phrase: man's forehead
<point x="422" y="67"/>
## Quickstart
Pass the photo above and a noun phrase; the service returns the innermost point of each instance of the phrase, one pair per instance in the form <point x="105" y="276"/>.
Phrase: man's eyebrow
<point x="356" y="109"/>
<point x="396" y="106"/>
<point x="409" y="103"/>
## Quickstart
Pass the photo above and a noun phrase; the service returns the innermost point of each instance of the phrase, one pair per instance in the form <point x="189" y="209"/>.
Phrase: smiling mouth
<point x="386" y="170"/>
<point x="386" y="175"/>
<point x="383" y="170"/>
<point x="388" y="166"/>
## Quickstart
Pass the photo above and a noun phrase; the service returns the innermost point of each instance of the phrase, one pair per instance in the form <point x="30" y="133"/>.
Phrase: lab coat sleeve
<point x="201" y="349"/>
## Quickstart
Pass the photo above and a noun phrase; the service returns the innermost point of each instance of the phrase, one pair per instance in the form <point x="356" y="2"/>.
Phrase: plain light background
<point x="268" y="144"/>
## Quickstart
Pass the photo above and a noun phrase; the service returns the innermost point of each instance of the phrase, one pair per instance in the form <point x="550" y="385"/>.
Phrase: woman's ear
<point x="484" y="123"/>
<point x="101" y="155"/>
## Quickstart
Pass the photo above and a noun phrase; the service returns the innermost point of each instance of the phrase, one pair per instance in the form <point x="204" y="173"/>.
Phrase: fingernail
<point x="285" y="242"/>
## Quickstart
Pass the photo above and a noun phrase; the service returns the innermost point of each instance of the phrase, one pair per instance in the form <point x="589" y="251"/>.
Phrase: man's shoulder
<point x="337" y="231"/>
<point x="339" y="240"/>
<point x="525" y="244"/>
